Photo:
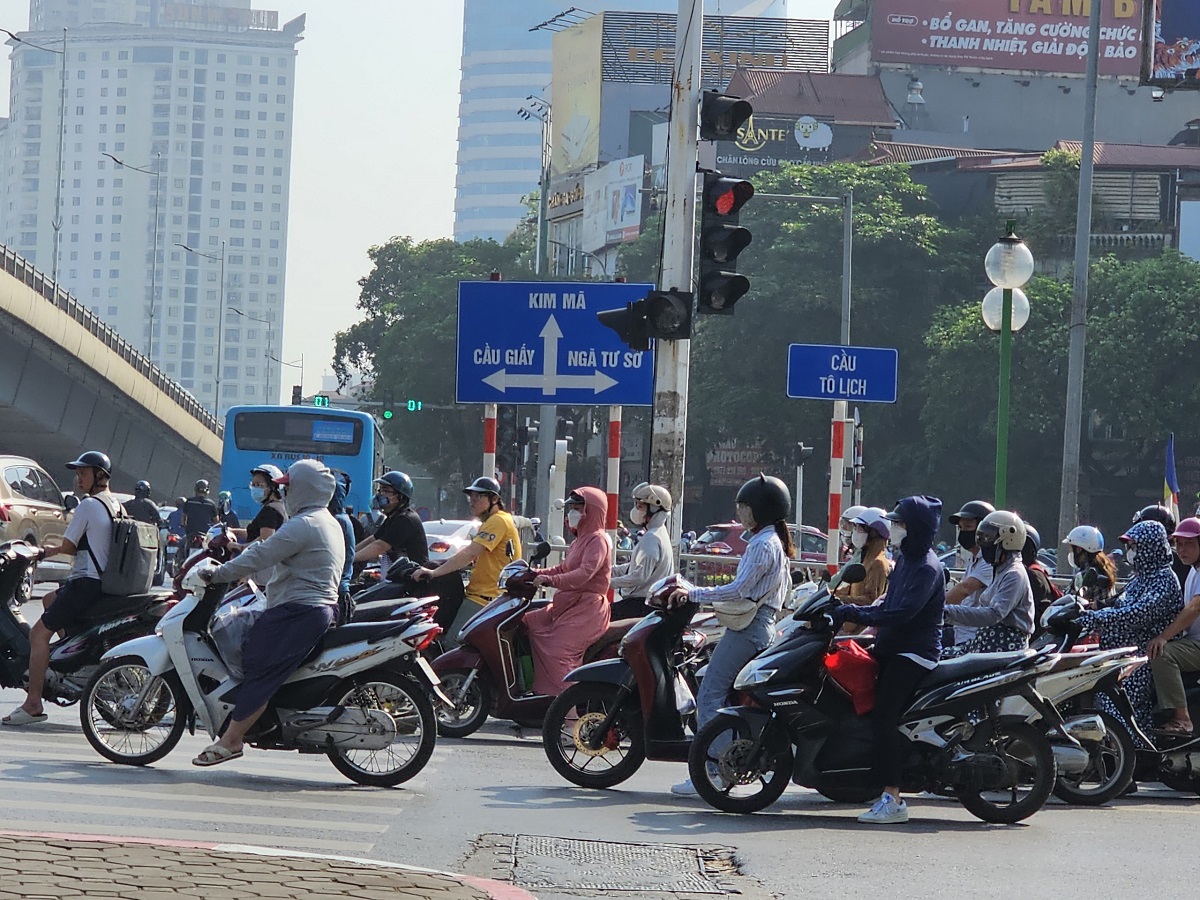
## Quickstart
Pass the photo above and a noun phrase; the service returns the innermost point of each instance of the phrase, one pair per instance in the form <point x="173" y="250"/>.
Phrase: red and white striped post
<point x="489" y="440"/>
<point x="613" y="488"/>
<point x="837" y="462"/>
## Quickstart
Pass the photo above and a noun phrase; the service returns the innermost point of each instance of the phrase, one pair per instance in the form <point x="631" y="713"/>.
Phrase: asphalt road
<point x="481" y="801"/>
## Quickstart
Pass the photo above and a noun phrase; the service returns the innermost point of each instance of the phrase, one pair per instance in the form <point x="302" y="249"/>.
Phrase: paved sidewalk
<point x="66" y="866"/>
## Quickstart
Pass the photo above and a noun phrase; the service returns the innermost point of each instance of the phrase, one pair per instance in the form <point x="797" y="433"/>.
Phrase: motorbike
<point x="797" y="724"/>
<point x="75" y="657"/>
<point x="397" y="587"/>
<point x="361" y="698"/>
<point x="617" y="713"/>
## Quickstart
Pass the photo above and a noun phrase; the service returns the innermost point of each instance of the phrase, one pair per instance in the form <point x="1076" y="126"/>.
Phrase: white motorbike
<point x="362" y="698"/>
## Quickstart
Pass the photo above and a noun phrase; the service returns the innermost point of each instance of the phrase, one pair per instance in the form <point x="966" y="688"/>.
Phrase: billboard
<point x="1171" y="57"/>
<point x="1013" y="35"/>
<point x="575" y="97"/>
<point x="612" y="205"/>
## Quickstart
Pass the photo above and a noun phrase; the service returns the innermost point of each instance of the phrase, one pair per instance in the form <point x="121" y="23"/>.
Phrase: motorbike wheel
<point x="124" y="731"/>
<point x="408" y="703"/>
<point x="471" y="709"/>
<point x="1109" y="771"/>
<point x="1029" y="753"/>
<point x="571" y="721"/>
<point x="727" y="777"/>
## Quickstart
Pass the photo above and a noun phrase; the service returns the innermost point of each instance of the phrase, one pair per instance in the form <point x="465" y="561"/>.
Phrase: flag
<point x="1171" y="482"/>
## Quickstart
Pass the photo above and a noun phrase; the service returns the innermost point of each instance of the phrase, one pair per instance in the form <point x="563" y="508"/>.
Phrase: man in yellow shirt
<point x="494" y="546"/>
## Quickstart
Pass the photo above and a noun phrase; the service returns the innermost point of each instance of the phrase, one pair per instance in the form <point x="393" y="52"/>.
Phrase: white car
<point x="447" y="536"/>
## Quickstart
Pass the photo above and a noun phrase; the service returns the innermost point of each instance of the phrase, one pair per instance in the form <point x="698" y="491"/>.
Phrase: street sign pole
<point x="840" y="407"/>
<point x="547" y="429"/>
<point x="668" y="437"/>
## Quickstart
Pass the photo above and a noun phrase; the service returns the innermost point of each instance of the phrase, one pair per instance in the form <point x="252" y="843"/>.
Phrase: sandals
<point x="1174" y="729"/>
<point x="19" y="717"/>
<point x="214" y="755"/>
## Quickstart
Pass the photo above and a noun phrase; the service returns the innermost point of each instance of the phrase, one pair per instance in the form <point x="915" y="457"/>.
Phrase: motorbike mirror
<point x="1091" y="578"/>
<point x="798" y="577"/>
<point x="70" y="501"/>
<point x="854" y="573"/>
<point x="541" y="551"/>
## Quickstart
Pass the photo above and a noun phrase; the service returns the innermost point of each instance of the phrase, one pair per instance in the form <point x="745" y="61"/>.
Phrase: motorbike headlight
<point x="751" y="677"/>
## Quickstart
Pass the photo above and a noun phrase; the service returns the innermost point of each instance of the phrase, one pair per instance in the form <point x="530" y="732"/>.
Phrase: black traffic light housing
<point x="721" y="116"/>
<point x="506" y="438"/>
<point x="663" y="315"/>
<point x="721" y="240"/>
<point x="296" y="398"/>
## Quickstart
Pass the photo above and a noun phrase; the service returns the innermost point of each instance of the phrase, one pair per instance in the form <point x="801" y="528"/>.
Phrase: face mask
<point x="966" y="540"/>
<point x="378" y="501"/>
<point x="1130" y="555"/>
<point x="858" y="540"/>
<point x="847" y="536"/>
<point x="574" y="517"/>
<point x="989" y="554"/>
<point x="637" y="516"/>
<point x="258" y="494"/>
<point x="896" y="534"/>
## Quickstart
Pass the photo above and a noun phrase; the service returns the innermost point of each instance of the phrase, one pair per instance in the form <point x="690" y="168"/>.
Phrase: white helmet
<point x="850" y="512"/>
<point x="657" y="497"/>
<point x="1004" y="528"/>
<point x="1085" y="537"/>
<point x="873" y="519"/>
<point x="192" y="582"/>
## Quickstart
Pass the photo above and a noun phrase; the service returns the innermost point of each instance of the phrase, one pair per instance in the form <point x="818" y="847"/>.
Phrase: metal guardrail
<point x="18" y="267"/>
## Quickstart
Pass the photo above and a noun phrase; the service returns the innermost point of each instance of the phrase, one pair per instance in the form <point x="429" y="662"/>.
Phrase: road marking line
<point x="224" y="837"/>
<point x="189" y="816"/>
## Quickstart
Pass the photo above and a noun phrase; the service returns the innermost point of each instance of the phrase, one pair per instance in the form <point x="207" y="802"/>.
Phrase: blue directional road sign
<point x="822" y="372"/>
<point x="540" y="342"/>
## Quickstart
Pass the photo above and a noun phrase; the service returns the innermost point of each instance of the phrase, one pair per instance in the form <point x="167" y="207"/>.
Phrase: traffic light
<point x="506" y="438"/>
<point x="721" y="116"/>
<point x="664" y="315"/>
<point x="721" y="240"/>
<point x="296" y="398"/>
<point x="321" y="401"/>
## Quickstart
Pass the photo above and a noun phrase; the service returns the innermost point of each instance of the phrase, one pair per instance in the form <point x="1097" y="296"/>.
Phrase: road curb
<point x="496" y="890"/>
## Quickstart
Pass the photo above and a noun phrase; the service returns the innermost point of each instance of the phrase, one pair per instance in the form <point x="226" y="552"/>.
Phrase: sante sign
<point x="1015" y="35"/>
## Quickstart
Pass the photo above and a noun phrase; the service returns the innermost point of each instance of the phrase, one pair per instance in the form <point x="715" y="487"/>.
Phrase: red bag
<point x="856" y="671"/>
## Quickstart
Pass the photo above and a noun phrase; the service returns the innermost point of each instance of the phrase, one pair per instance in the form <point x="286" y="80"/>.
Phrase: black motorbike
<point x="797" y="724"/>
<point x="75" y="657"/>
<point x="397" y="587"/>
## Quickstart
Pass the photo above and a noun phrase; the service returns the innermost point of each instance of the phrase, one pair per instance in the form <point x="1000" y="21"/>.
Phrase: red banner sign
<point x="1015" y="35"/>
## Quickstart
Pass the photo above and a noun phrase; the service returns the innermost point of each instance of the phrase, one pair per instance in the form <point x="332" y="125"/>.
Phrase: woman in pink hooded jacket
<point x="578" y="615"/>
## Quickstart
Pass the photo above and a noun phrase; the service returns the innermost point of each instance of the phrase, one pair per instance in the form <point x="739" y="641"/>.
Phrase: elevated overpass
<point x="68" y="383"/>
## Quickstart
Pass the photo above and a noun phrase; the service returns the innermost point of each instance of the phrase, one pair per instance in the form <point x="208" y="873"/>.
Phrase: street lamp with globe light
<point x="1009" y="265"/>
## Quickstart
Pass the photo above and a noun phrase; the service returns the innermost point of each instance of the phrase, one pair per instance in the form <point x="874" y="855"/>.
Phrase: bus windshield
<point x="299" y="433"/>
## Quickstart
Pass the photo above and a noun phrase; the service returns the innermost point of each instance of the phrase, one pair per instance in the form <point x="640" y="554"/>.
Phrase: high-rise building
<point x="506" y="59"/>
<point x="183" y="248"/>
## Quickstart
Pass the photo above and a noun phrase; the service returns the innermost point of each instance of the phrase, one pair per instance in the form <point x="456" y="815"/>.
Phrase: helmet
<point x="1156" y="513"/>
<point x="268" y="471"/>
<point x="141" y="489"/>
<point x="1085" y="537"/>
<point x="224" y="497"/>
<point x="179" y="501"/>
<point x="398" y="482"/>
<point x="92" y="459"/>
<point x="873" y="519"/>
<point x="768" y="498"/>
<point x="483" y="485"/>
<point x="654" y="495"/>
<point x="1004" y="528"/>
<point x="1188" y="528"/>
<point x="1032" y="535"/>
<point x="975" y="509"/>
<point x="202" y="486"/>
<point x="516" y="579"/>
<point x="851" y="511"/>
<point x="662" y="593"/>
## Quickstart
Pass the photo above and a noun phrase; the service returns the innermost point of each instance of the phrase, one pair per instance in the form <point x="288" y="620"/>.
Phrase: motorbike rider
<point x="578" y="614"/>
<point x="494" y="546"/>
<point x="977" y="574"/>
<point x="272" y="512"/>
<point x="1158" y="513"/>
<point x="225" y="513"/>
<point x="175" y="519"/>
<point x="869" y="547"/>
<point x="908" y="642"/>
<point x="401" y="533"/>
<point x="1085" y="550"/>
<point x="1044" y="590"/>
<point x="1003" y="619"/>
<point x="652" y="558"/>
<point x="143" y="509"/>
<point x="1177" y="648"/>
<point x="747" y="605"/>
<point x="846" y="531"/>
<point x="87" y="538"/>
<point x="199" y="514"/>
<point x="337" y="509"/>
<point x="306" y="556"/>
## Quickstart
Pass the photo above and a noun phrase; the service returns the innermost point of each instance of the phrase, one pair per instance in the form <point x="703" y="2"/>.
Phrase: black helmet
<point x="398" y="482"/>
<point x="768" y="498"/>
<point x="975" y="509"/>
<point x="1157" y="513"/>
<point x="179" y="501"/>
<point x="483" y="485"/>
<point x="141" y="489"/>
<point x="93" y="459"/>
<point x="202" y="486"/>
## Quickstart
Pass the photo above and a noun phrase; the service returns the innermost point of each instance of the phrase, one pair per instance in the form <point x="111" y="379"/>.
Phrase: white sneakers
<point x="886" y="811"/>
<point x="684" y="789"/>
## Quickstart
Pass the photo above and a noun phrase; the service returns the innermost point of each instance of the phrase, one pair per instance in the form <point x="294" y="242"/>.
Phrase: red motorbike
<point x="491" y="672"/>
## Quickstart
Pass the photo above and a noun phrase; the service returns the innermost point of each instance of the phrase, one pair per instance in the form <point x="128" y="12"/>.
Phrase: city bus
<point x="342" y="439"/>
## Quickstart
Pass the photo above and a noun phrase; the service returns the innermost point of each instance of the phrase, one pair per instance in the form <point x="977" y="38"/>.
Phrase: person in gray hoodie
<point x="308" y="553"/>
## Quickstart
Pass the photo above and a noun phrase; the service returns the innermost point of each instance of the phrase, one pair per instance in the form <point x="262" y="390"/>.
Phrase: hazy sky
<point x="373" y="152"/>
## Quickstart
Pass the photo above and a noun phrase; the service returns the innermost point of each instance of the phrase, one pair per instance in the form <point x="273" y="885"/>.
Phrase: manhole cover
<point x="574" y="865"/>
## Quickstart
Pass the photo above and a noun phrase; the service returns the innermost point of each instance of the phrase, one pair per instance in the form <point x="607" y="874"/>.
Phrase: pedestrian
<point x="651" y="558"/>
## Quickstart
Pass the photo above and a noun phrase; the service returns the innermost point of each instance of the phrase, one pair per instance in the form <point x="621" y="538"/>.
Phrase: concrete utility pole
<point x="668" y="437"/>
<point x="1068" y="506"/>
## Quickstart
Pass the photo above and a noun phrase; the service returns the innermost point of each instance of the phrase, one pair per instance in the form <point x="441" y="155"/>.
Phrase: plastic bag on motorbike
<point x="231" y="626"/>
<point x="856" y="671"/>
<point x="685" y="703"/>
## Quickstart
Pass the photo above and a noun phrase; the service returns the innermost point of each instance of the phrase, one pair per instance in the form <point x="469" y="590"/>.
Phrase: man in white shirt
<point x="87" y="538"/>
<point x="978" y="572"/>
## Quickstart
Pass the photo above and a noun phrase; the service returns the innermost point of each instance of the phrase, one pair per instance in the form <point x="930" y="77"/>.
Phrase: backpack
<point x="132" y="556"/>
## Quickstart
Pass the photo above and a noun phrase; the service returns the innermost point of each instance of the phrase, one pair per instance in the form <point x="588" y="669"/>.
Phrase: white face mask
<point x="637" y="516"/>
<point x="859" y="539"/>
<point x="574" y="517"/>
<point x="896" y="534"/>
<point x="846" y="535"/>
<point x="1131" y="555"/>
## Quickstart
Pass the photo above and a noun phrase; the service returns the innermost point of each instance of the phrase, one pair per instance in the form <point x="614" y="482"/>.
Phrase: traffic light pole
<point x="668" y="436"/>
<point x="547" y="431"/>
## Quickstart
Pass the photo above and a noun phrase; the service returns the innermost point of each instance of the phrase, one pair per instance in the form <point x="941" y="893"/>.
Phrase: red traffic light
<point x="725" y="196"/>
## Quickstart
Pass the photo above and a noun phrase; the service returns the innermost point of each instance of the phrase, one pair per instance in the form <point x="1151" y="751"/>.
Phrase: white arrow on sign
<point x="549" y="380"/>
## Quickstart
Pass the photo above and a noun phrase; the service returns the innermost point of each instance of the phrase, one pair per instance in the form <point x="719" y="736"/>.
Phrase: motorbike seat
<point x="973" y="664"/>
<point x="612" y="635"/>
<point x="113" y="606"/>
<point x="344" y="635"/>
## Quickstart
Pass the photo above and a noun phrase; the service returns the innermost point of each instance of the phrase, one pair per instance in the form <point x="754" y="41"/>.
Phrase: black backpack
<point x="132" y="555"/>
